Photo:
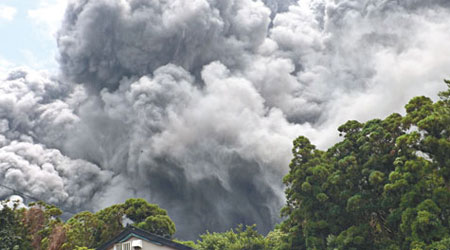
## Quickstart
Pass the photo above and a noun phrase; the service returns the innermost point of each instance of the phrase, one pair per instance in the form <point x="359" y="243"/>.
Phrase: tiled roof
<point x="130" y="231"/>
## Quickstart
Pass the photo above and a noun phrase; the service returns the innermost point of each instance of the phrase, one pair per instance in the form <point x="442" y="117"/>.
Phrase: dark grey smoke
<point x="194" y="104"/>
<point x="102" y="41"/>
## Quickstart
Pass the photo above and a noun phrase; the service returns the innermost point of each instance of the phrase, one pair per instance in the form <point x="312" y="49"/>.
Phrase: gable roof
<point x="131" y="231"/>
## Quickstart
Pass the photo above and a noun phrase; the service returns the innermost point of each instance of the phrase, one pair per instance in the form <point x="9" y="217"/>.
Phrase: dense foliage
<point x="240" y="238"/>
<point x="233" y="240"/>
<point x="39" y="226"/>
<point x="385" y="186"/>
<point x="12" y="234"/>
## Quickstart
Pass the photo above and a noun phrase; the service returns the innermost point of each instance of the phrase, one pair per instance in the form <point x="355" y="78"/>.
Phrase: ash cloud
<point x="34" y="115"/>
<point x="102" y="41"/>
<point x="194" y="105"/>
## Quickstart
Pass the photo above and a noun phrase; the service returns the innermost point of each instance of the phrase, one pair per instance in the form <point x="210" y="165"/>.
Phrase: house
<point x="133" y="238"/>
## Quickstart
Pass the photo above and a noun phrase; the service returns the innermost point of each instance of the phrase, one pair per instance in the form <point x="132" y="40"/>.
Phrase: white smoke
<point x="13" y="202"/>
<point x="194" y="105"/>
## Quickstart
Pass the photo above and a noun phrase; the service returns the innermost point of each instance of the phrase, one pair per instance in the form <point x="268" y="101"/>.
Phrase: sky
<point x="30" y="26"/>
<point x="193" y="105"/>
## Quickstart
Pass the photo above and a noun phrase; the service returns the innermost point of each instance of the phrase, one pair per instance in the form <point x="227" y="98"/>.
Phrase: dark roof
<point x="139" y="233"/>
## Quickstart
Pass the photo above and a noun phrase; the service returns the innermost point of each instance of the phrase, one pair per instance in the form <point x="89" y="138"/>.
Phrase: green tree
<point x="111" y="219"/>
<point x="238" y="239"/>
<point x="83" y="230"/>
<point x="159" y="224"/>
<point x="12" y="234"/>
<point x="149" y="217"/>
<point x="91" y="230"/>
<point x="386" y="185"/>
<point x="277" y="240"/>
<point x="39" y="225"/>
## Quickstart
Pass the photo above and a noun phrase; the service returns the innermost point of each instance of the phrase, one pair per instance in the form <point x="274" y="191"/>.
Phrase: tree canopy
<point x="386" y="185"/>
<point x="39" y="226"/>
<point x="12" y="234"/>
<point x="86" y="229"/>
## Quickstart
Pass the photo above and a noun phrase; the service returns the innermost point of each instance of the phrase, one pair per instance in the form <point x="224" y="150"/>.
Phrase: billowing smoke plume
<point x="194" y="104"/>
<point x="35" y="115"/>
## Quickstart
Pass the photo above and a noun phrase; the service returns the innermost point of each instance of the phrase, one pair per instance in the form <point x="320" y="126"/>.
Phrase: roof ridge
<point x="146" y="235"/>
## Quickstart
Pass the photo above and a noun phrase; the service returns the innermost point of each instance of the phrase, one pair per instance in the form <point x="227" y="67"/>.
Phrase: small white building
<point x="133" y="238"/>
